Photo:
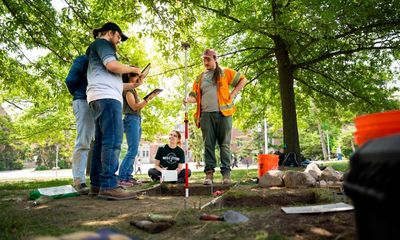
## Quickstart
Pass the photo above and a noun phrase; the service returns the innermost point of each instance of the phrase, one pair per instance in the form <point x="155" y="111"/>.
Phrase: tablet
<point x="156" y="91"/>
<point x="146" y="70"/>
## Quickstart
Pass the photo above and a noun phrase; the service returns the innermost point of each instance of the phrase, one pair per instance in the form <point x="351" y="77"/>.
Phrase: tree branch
<point x="49" y="21"/>
<point x="19" y="49"/>
<point x="370" y="26"/>
<point x="15" y="105"/>
<point x="316" y="89"/>
<point x="337" y="53"/>
<point x="28" y="31"/>
<point x="77" y="14"/>
<point x="338" y="83"/>
<point x="218" y="12"/>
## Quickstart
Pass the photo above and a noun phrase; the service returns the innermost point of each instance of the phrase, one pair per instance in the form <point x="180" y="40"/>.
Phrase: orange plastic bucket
<point x="376" y="125"/>
<point x="267" y="162"/>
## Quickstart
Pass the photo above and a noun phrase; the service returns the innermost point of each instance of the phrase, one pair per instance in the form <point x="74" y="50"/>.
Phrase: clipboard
<point x="156" y="91"/>
<point x="169" y="175"/>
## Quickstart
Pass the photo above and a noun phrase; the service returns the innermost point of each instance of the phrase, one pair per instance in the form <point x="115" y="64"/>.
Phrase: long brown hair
<point x="217" y="72"/>
<point x="179" y="143"/>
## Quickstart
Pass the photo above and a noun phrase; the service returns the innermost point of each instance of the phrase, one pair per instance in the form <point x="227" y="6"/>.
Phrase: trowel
<point x="228" y="216"/>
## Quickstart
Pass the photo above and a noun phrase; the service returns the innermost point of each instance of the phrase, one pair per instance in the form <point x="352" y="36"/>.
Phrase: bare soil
<point x="262" y="206"/>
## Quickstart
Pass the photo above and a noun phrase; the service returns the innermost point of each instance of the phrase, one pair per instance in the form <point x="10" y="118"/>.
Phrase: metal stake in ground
<point x="186" y="46"/>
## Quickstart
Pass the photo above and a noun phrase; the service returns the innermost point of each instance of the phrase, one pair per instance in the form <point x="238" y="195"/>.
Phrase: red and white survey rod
<point x="186" y="46"/>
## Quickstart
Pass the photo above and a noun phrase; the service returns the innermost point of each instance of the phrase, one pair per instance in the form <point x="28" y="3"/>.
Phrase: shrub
<point x="62" y="164"/>
<point x="41" y="168"/>
<point x="17" y="165"/>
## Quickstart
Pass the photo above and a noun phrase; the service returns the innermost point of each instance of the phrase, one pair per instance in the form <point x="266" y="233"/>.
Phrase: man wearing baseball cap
<point x="211" y="91"/>
<point x="104" y="95"/>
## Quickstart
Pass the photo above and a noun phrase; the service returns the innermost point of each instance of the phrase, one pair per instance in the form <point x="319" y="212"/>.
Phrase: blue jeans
<point x="133" y="132"/>
<point x="84" y="135"/>
<point x="107" y="145"/>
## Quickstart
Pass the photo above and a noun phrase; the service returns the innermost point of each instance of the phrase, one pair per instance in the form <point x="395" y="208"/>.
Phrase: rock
<point x="322" y="183"/>
<point x="294" y="179"/>
<point x="151" y="227"/>
<point x="313" y="170"/>
<point x="272" y="178"/>
<point x="329" y="174"/>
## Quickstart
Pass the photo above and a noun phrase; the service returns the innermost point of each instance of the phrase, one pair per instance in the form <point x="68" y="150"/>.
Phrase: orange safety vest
<point x="229" y="77"/>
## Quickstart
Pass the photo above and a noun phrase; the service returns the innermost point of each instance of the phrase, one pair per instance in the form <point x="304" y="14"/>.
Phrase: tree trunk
<point x="289" y="118"/>
<point x="322" y="139"/>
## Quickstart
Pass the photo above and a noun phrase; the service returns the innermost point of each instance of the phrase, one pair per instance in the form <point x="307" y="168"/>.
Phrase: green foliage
<point x="42" y="168"/>
<point x="24" y="185"/>
<point x="337" y="54"/>
<point x="64" y="164"/>
<point x="12" y="153"/>
<point x="342" y="166"/>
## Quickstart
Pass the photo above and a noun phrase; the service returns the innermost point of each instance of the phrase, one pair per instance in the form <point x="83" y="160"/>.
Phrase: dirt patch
<point x="277" y="197"/>
<point x="179" y="190"/>
<point x="261" y="206"/>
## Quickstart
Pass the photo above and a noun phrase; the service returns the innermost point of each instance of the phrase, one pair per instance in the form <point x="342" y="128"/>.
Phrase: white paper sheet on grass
<point x="52" y="191"/>
<point x="335" y="207"/>
<point x="169" y="175"/>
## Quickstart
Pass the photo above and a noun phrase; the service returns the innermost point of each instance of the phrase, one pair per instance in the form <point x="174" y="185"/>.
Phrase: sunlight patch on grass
<point x="102" y="223"/>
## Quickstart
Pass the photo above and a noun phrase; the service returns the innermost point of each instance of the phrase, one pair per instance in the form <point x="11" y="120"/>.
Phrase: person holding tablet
<point x="132" y="123"/>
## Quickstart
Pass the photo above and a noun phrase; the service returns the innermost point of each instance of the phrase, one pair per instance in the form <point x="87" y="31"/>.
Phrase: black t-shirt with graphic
<point x="170" y="157"/>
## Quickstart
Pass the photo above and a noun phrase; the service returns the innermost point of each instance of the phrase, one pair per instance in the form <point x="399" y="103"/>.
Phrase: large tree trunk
<point x="289" y="118"/>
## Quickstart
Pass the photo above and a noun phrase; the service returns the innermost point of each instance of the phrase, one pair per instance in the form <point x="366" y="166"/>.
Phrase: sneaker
<point x="118" y="193"/>
<point x="82" y="189"/>
<point x="209" y="178"/>
<point x="181" y="180"/>
<point x="135" y="182"/>
<point x="94" y="191"/>
<point x="125" y="183"/>
<point x="226" y="178"/>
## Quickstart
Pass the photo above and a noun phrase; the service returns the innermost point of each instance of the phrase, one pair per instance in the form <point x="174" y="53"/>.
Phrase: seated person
<point x="170" y="157"/>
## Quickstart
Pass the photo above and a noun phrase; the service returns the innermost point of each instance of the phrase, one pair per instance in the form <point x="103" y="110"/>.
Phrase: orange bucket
<point x="267" y="162"/>
<point x="376" y="125"/>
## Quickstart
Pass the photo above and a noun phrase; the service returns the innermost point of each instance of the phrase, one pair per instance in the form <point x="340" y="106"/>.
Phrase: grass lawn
<point x="21" y="220"/>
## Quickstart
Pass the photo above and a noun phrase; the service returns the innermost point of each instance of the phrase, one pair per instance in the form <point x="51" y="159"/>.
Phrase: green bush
<point x="2" y="166"/>
<point x="17" y="165"/>
<point x="62" y="164"/>
<point x="41" y="168"/>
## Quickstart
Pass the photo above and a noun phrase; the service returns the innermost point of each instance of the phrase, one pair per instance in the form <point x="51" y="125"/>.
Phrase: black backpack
<point x="77" y="75"/>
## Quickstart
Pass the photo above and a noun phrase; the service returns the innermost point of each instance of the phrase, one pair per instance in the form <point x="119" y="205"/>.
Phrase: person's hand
<point x="139" y="80"/>
<point x="150" y="97"/>
<point x="189" y="99"/>
<point x="135" y="70"/>
<point x="232" y="95"/>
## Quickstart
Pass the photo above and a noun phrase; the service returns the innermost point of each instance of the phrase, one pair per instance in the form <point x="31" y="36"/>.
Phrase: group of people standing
<point x="106" y="91"/>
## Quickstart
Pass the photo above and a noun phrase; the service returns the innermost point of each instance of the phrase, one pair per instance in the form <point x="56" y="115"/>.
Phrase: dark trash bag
<point x="373" y="184"/>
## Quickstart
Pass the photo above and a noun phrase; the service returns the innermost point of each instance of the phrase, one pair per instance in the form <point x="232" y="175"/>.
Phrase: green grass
<point x="20" y="223"/>
<point x="236" y="175"/>
<point x="242" y="175"/>
<point x="342" y="166"/>
<point x="23" y="185"/>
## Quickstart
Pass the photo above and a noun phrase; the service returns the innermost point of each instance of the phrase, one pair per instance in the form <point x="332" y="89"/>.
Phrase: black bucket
<point x="373" y="183"/>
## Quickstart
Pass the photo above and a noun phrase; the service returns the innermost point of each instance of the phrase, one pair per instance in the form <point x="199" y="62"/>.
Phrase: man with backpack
<point x="76" y="82"/>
